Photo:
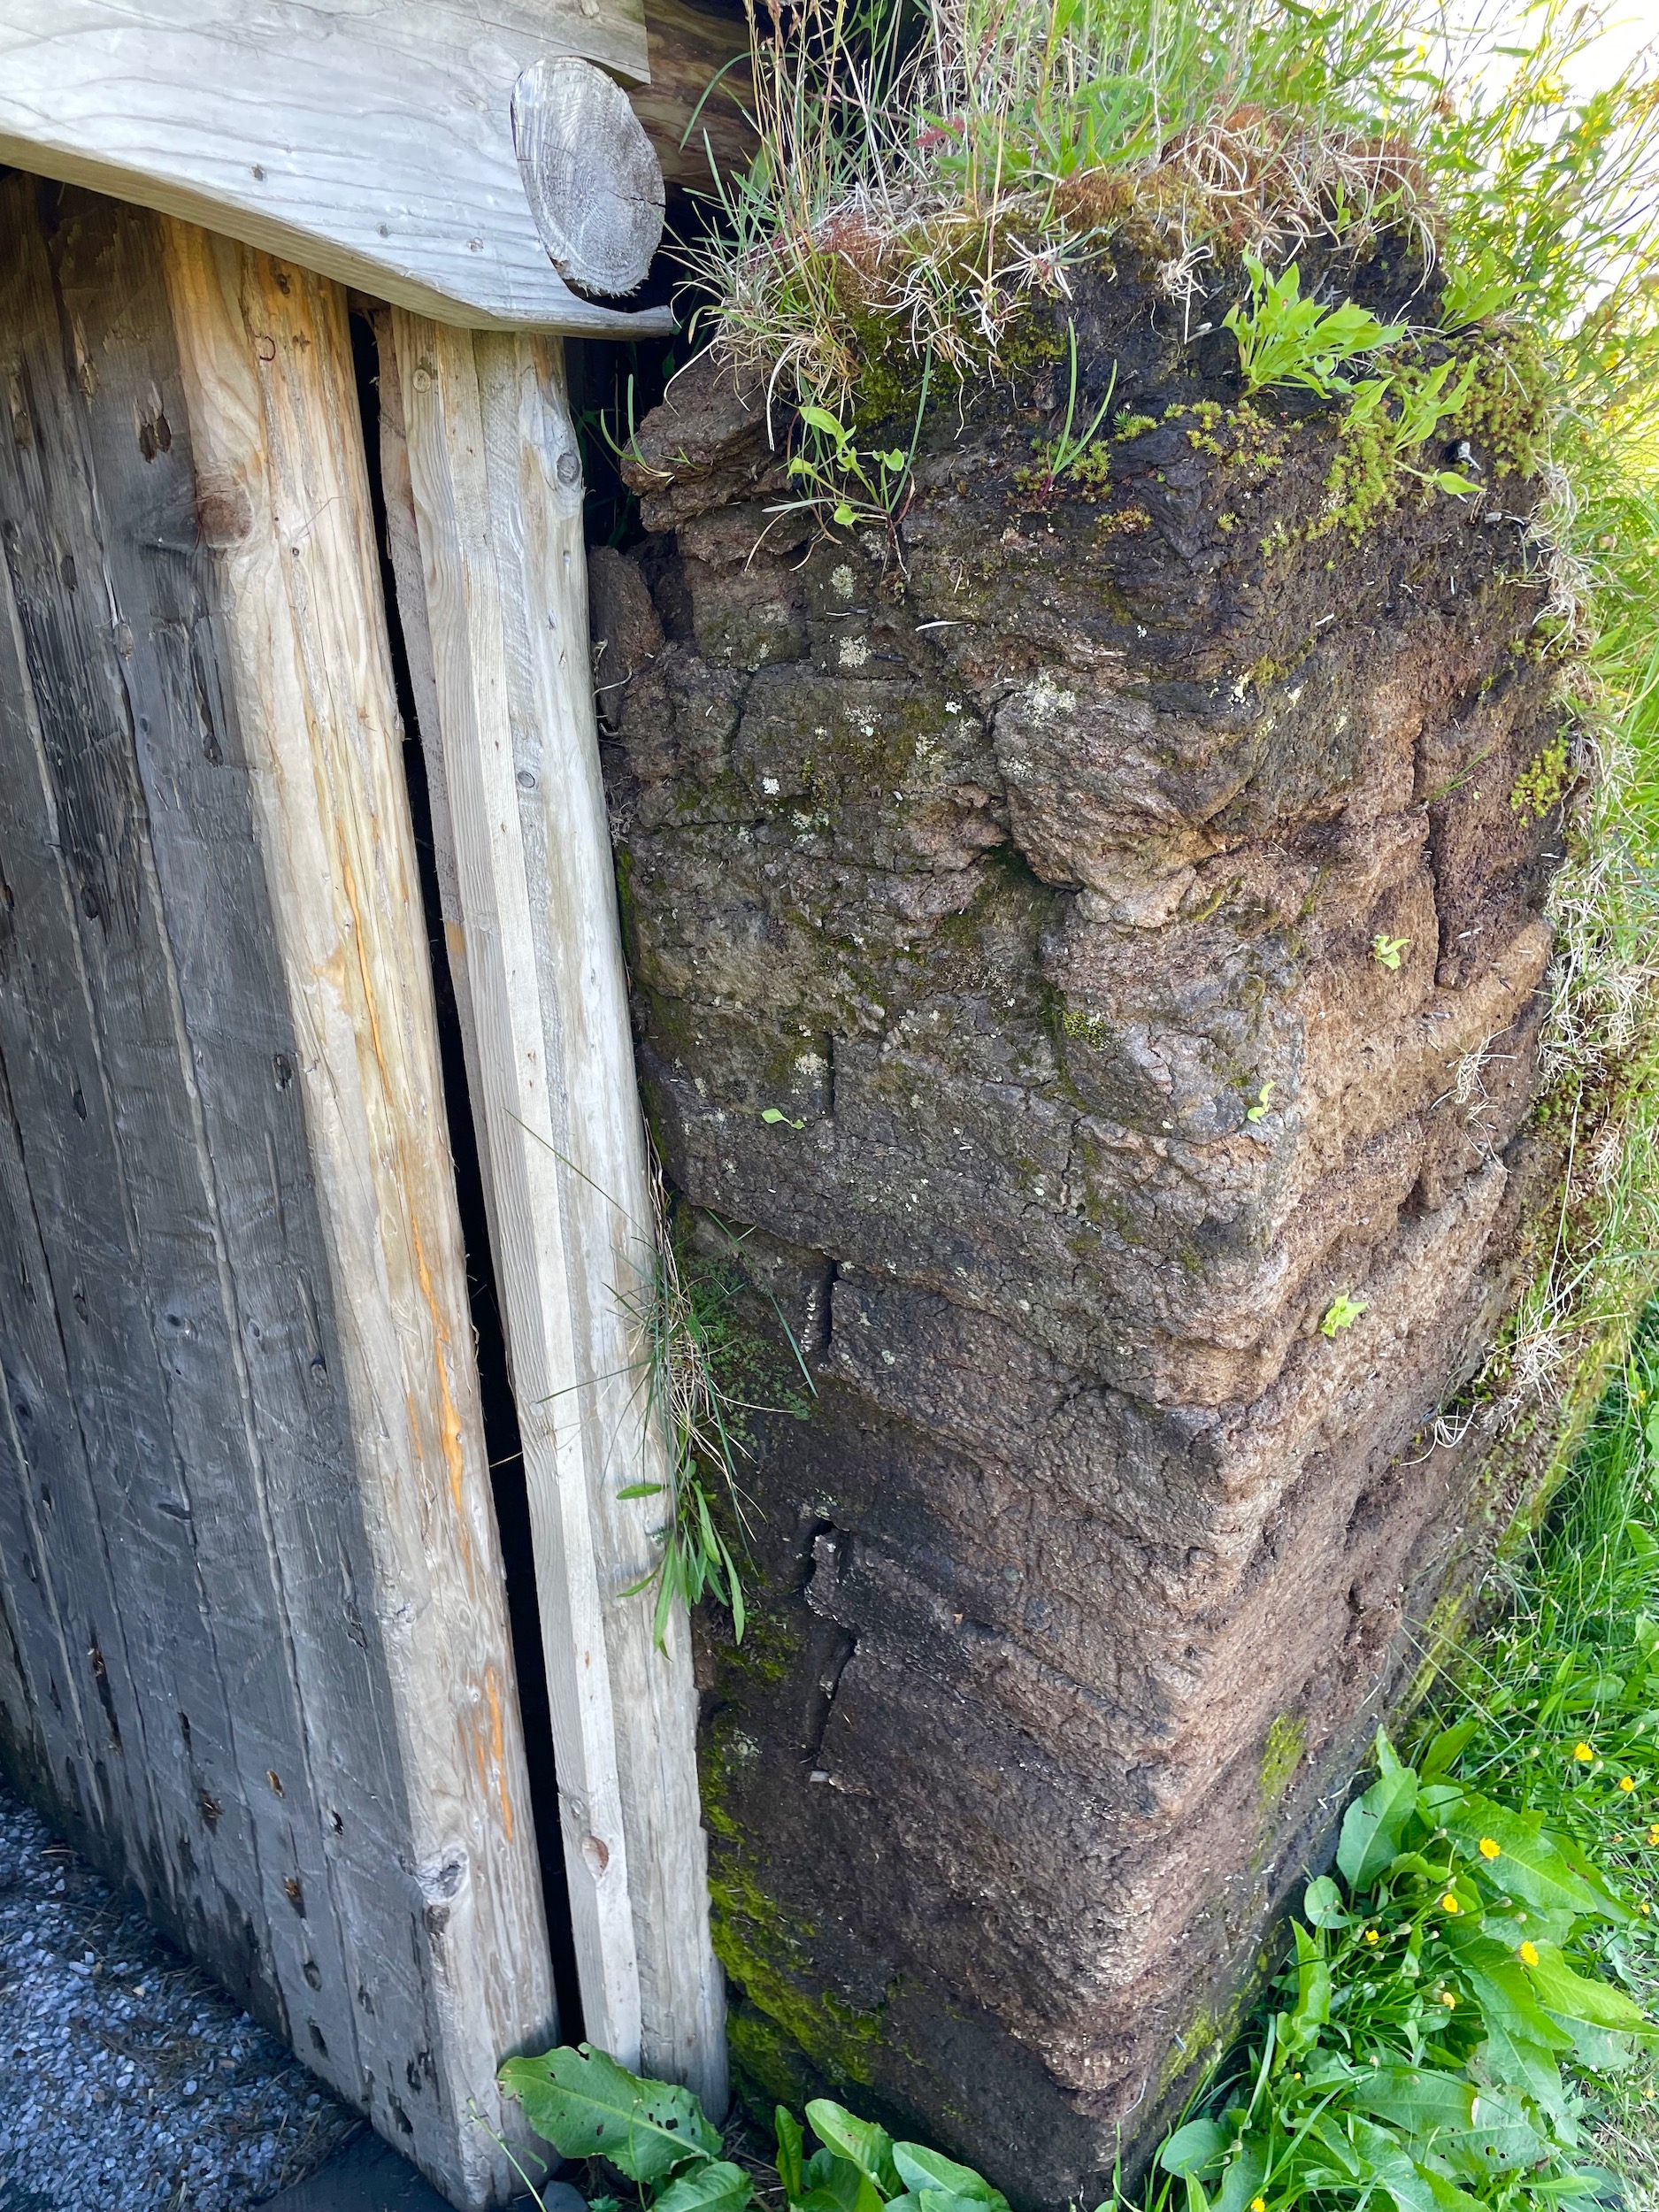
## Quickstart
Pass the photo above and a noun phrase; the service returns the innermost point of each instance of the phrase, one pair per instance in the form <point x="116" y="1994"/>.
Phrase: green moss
<point x="1508" y="409"/>
<point x="1286" y="1741"/>
<point x="1543" y="782"/>
<point x="1089" y="1029"/>
<point x="758" y="1945"/>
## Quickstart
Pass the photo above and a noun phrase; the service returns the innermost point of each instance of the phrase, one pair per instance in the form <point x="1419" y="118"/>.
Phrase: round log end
<point x="589" y="173"/>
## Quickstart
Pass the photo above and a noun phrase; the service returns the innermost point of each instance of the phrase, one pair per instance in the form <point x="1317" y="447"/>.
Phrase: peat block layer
<point x="1031" y="865"/>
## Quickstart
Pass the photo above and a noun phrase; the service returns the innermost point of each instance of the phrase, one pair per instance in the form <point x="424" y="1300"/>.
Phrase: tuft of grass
<point x="706" y="1374"/>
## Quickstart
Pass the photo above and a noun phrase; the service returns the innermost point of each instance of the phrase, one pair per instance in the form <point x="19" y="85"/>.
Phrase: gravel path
<point x="128" y="2081"/>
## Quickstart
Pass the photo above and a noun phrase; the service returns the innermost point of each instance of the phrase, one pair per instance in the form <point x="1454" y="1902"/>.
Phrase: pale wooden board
<point x="497" y="489"/>
<point x="277" y="454"/>
<point x="241" y="1458"/>
<point x="371" y="142"/>
<point x="74" y="855"/>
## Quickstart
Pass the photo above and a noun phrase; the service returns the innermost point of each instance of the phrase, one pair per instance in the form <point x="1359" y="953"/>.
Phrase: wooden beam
<point x="497" y="489"/>
<point x="372" y="143"/>
<point x="688" y="115"/>
<point x="283" y="502"/>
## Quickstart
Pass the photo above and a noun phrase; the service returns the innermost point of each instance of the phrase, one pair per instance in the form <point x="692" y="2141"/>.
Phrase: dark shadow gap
<point x="501" y="1418"/>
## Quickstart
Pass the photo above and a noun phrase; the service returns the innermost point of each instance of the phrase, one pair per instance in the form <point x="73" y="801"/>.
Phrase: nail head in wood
<point x="590" y="174"/>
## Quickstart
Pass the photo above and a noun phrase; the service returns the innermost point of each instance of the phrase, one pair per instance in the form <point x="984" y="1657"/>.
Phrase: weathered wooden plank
<point x="267" y="376"/>
<point x="70" y="849"/>
<point x="193" y="1022"/>
<point x="47" y="1731"/>
<point x="497" y="489"/>
<point x="373" y="143"/>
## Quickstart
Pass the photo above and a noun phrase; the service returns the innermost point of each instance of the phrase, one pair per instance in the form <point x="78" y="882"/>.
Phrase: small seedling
<point x="773" y="1114"/>
<point x="1341" y="1313"/>
<point x="1388" y="950"/>
<point x="1258" y="1112"/>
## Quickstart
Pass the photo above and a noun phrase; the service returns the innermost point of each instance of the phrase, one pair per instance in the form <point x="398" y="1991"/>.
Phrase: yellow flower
<point x="1258" y="2204"/>
<point x="1448" y="2000"/>
<point x="1528" y="1954"/>
<point x="1489" y="1850"/>
<point x="1371" y="1936"/>
<point x="1583" y="1753"/>
<point x="1653" y="1833"/>
<point x="1449" y="1903"/>
<point x="1627" y="1781"/>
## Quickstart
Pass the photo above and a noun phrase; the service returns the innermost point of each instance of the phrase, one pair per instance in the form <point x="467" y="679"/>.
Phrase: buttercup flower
<point x="1258" y="2204"/>
<point x="1528" y="1954"/>
<point x="1627" y="1781"/>
<point x="1489" y="1850"/>
<point x="1582" y="1752"/>
<point x="1371" y="1936"/>
<point x="1653" y="1833"/>
<point x="1449" y="1903"/>
<point x="1448" y="2000"/>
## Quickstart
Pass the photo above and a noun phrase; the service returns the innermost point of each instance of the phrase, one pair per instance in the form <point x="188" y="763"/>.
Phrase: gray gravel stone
<point x="128" y="2082"/>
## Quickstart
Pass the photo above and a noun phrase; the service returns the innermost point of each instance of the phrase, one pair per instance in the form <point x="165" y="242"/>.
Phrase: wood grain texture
<point x="595" y="189"/>
<point x="497" y="489"/>
<point x="697" y="105"/>
<point x="372" y="143"/>
<point x="253" y="1649"/>
<point x="267" y="375"/>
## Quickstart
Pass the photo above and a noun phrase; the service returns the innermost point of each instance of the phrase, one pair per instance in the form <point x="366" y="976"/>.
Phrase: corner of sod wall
<point x="1119" y="890"/>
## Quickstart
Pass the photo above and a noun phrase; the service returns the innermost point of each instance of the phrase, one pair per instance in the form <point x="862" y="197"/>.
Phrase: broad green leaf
<point x="1502" y="1987"/>
<point x="1530" y="1865"/>
<point x="786" y="2129"/>
<point x="587" y="2105"/>
<point x="1521" y="2065"/>
<point x="1197" y="2148"/>
<point x="833" y="2184"/>
<point x="715" y="2186"/>
<point x="922" y="2168"/>
<point x="1475" y="2131"/>
<point x="1584" y="1997"/>
<point x="1447" y="1747"/>
<point x="1373" y="1828"/>
<point x="1460" y="487"/>
<point x="1242" y="2178"/>
<point x="1300" y="2029"/>
<point x="1322" y="1904"/>
<point x="869" y="2147"/>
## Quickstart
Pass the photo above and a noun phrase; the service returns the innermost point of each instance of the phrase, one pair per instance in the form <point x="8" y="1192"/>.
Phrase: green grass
<point x="1571" y="1660"/>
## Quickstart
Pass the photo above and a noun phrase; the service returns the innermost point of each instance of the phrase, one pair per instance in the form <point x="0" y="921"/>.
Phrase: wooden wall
<point x="253" y="1648"/>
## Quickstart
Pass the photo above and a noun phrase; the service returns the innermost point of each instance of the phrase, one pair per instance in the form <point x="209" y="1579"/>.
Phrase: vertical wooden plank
<point x="267" y="376"/>
<point x="496" y="483"/>
<point x="72" y="852"/>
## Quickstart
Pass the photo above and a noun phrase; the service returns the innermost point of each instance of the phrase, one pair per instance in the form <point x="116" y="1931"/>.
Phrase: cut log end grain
<point x="589" y="173"/>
